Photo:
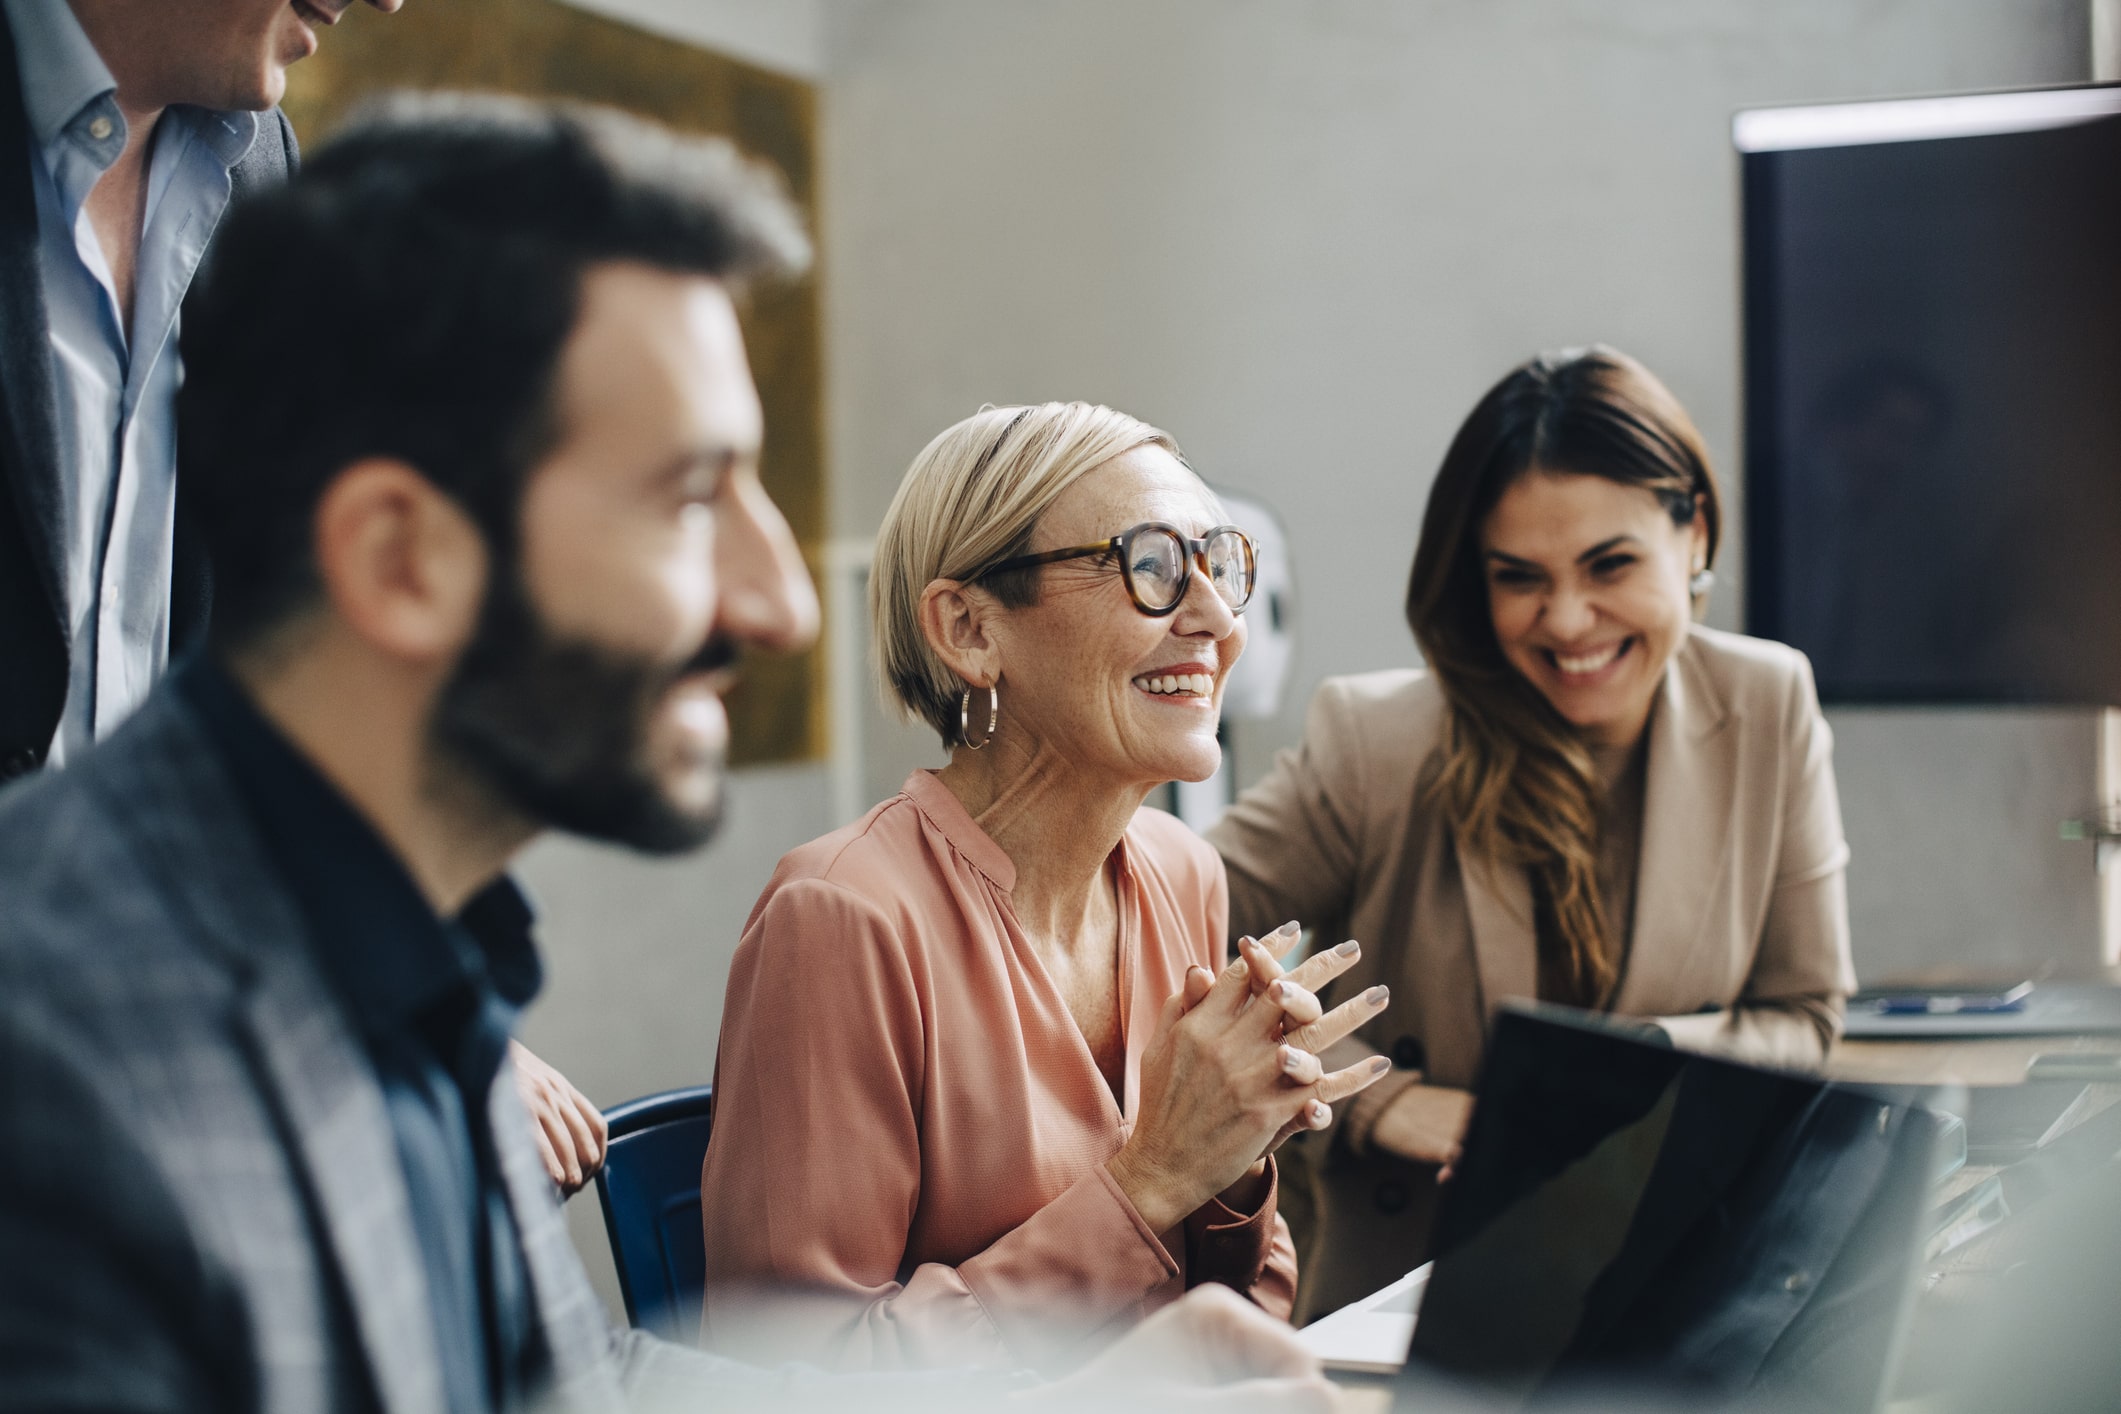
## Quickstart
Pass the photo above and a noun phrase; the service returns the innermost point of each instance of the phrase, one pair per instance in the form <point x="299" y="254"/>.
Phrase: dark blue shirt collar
<point x="389" y="956"/>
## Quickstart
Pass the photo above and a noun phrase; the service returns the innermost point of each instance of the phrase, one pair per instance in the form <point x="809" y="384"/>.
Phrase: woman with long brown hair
<point x="1584" y="798"/>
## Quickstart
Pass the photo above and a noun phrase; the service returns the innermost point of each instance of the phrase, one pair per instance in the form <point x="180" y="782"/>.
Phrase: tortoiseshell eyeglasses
<point x="1157" y="561"/>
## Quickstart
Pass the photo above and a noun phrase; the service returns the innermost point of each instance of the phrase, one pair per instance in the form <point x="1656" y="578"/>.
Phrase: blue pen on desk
<point x="1954" y="1003"/>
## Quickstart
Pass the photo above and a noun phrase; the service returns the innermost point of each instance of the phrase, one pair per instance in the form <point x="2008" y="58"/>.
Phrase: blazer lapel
<point x="1505" y="945"/>
<point x="184" y="814"/>
<point x="1688" y="800"/>
<point x="331" y="1104"/>
<point x="28" y="404"/>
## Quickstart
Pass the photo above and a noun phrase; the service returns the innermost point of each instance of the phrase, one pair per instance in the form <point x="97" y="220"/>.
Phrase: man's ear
<point x="956" y="619"/>
<point x="401" y="564"/>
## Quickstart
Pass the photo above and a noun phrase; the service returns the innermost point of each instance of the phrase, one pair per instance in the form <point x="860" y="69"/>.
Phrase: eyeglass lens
<point x="1156" y="563"/>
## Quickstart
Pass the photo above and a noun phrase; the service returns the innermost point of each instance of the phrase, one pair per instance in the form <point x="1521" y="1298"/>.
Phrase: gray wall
<point x="1954" y="817"/>
<point x="1306" y="236"/>
<point x="788" y="35"/>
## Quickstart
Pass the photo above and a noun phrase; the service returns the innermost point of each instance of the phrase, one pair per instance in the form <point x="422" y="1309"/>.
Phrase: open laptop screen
<point x="1629" y="1213"/>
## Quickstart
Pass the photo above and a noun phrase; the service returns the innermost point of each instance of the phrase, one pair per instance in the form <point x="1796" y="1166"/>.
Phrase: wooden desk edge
<point x="1991" y="1060"/>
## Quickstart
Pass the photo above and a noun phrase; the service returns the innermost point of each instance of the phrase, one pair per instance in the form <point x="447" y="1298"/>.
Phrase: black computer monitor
<point x="1933" y="394"/>
<point x="1664" y="1222"/>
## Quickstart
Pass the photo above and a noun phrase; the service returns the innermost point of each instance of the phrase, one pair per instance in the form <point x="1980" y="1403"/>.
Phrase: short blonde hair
<point x="971" y="499"/>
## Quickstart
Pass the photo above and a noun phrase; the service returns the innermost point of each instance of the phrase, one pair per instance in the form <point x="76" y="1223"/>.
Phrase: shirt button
<point x="99" y="127"/>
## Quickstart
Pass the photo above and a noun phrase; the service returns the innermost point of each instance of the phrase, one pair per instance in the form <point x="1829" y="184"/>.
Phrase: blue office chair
<point x="650" y="1189"/>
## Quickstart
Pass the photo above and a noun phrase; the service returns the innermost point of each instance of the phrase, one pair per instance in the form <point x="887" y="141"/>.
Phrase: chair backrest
<point x="650" y="1189"/>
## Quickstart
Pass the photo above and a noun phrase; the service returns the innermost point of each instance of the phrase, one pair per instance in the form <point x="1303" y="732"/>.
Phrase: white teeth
<point x="1588" y="662"/>
<point x="1177" y="684"/>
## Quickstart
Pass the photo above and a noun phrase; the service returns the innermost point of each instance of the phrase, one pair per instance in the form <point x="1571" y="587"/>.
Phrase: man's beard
<point x="557" y="728"/>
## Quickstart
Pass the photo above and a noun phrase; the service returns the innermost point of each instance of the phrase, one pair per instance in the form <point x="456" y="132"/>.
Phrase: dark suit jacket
<point x="33" y="638"/>
<point x="201" y="1200"/>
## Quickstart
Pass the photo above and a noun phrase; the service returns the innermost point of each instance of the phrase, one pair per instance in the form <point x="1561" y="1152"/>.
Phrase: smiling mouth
<point x="1177" y="684"/>
<point x="1591" y="664"/>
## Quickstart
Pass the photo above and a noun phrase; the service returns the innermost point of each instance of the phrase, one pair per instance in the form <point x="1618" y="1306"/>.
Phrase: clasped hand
<point x="1233" y="1071"/>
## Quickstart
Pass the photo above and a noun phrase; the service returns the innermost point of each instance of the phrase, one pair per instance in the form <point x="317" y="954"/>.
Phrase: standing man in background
<point x="126" y="128"/>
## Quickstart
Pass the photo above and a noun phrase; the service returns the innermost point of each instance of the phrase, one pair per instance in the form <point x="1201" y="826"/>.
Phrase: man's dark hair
<point x="409" y="294"/>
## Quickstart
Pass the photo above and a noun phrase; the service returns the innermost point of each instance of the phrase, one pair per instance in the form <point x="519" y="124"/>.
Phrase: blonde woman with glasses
<point x="990" y="1084"/>
<point x="1584" y="798"/>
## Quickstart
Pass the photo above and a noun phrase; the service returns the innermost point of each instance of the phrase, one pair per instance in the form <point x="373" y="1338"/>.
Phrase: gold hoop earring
<point x="964" y="718"/>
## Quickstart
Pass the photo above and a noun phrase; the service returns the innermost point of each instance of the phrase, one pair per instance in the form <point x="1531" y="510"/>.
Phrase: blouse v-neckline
<point x="949" y="815"/>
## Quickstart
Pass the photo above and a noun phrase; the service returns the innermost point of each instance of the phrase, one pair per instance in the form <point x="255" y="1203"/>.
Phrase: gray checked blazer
<point x="201" y="1204"/>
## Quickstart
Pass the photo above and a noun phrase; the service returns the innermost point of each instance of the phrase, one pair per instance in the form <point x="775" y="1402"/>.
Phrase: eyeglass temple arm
<point x="1047" y="557"/>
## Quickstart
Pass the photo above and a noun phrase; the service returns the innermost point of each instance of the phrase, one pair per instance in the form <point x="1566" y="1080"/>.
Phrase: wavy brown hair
<point x="1516" y="779"/>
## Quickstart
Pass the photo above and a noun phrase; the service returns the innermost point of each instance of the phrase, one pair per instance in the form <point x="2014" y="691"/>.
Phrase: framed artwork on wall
<point x="546" y="49"/>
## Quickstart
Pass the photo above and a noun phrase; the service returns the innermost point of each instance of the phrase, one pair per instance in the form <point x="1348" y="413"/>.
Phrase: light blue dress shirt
<point x="116" y="387"/>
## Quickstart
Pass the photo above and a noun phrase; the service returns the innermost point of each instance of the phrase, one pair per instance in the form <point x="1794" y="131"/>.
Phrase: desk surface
<point x="1989" y="1061"/>
<point x="1997" y="1060"/>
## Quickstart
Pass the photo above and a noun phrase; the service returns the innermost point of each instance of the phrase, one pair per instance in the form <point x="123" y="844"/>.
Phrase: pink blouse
<point x="910" y="1131"/>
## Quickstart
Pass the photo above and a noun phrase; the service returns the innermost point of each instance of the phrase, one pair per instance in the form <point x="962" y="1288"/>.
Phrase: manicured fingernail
<point x="1276" y="992"/>
<point x="1291" y="1059"/>
<point x="1348" y="949"/>
<point x="1319" y="1115"/>
<point x="1379" y="1065"/>
<point x="1377" y="996"/>
<point x="1292" y="927"/>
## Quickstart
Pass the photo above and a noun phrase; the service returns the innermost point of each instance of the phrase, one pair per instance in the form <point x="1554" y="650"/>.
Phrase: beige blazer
<point x="1739" y="940"/>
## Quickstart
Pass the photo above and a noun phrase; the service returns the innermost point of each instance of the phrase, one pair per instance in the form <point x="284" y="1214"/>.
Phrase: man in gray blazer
<point x="472" y="442"/>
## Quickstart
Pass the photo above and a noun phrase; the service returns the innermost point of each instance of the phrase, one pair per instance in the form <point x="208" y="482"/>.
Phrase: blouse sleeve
<point x="1790" y="1009"/>
<point x="814" y="1172"/>
<point x="1250" y="1252"/>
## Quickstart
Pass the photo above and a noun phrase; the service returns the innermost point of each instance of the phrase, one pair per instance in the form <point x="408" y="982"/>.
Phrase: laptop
<point x="1630" y="1217"/>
